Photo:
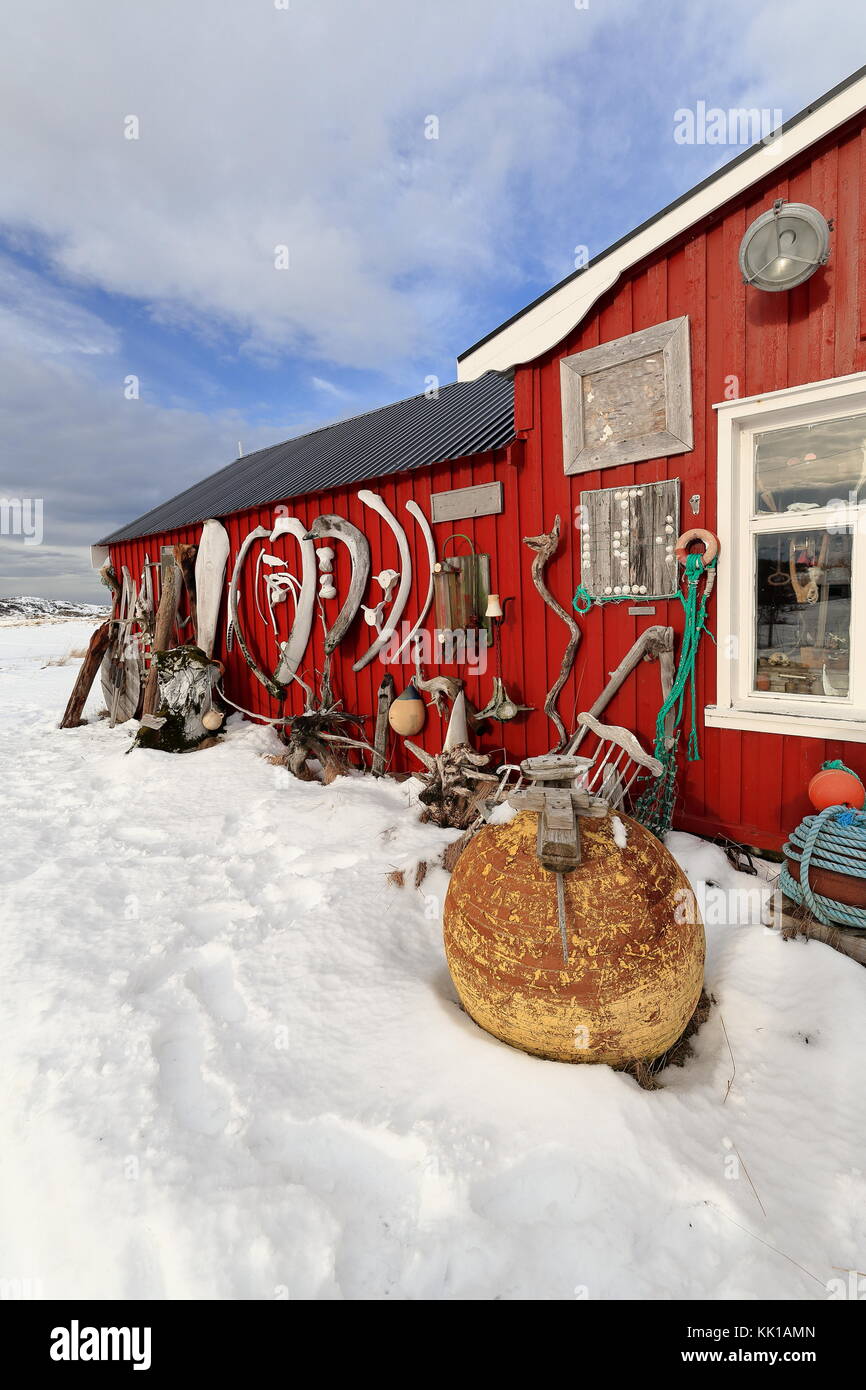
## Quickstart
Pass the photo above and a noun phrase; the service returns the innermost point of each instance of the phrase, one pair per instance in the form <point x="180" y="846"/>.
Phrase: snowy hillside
<point x="29" y="607"/>
<point x="234" y="1065"/>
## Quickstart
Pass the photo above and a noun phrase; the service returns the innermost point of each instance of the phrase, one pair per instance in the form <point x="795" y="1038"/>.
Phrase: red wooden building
<point x="753" y="398"/>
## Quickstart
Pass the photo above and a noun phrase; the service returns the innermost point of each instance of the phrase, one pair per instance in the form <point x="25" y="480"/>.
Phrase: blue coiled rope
<point x="835" y="840"/>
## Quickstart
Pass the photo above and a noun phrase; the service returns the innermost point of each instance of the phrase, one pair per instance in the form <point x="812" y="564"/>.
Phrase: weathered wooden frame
<point x="459" y="504"/>
<point x="672" y="340"/>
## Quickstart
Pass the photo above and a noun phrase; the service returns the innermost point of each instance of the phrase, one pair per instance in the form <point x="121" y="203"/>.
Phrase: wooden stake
<point x="86" y="676"/>
<point x="380" y="739"/>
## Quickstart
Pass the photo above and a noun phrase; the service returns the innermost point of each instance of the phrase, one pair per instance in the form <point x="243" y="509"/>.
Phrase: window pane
<point x="809" y="466"/>
<point x="803" y="613"/>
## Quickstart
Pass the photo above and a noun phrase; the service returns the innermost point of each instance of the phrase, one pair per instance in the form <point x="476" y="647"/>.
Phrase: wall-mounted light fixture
<point x="784" y="246"/>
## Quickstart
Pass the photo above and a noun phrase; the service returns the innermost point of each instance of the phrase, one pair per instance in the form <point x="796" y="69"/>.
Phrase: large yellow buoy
<point x="635" y="943"/>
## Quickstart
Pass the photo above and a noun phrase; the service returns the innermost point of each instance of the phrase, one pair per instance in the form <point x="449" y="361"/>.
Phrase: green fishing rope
<point x="655" y="805"/>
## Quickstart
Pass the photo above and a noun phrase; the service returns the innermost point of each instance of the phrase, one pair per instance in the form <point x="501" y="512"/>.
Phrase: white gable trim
<point x="545" y="324"/>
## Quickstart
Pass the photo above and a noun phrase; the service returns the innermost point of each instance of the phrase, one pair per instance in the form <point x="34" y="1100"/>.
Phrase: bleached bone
<point x="375" y="502"/>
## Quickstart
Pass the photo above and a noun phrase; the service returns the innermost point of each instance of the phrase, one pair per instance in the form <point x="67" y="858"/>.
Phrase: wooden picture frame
<point x="629" y="399"/>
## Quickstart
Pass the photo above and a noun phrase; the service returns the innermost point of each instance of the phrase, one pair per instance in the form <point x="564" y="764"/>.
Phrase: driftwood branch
<point x="448" y="797"/>
<point x="545" y="547"/>
<point x="85" y="678"/>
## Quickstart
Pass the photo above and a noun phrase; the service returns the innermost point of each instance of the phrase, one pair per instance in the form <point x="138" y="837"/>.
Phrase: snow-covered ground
<point x="233" y="1064"/>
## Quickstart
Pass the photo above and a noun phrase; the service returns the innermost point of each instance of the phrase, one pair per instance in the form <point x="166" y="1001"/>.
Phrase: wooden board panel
<point x="463" y="502"/>
<point x="627" y="539"/>
<point x="628" y="399"/>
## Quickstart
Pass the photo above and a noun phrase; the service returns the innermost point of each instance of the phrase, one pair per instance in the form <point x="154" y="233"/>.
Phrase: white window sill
<point x="785" y="724"/>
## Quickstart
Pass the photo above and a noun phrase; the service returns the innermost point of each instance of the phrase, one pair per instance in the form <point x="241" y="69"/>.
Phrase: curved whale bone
<point x="338" y="528"/>
<point x="293" y="649"/>
<point x="415" y="511"/>
<point x="376" y="504"/>
<point x="270" y="684"/>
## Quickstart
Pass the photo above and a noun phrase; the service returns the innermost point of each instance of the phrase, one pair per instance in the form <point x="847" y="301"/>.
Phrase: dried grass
<point x="646" y="1074"/>
<point x="74" y="654"/>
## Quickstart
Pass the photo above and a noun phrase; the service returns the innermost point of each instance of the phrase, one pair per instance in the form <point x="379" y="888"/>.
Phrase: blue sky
<point x="260" y="127"/>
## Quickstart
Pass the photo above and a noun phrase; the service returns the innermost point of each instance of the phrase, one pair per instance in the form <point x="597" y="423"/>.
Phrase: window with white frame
<point x="791" y="621"/>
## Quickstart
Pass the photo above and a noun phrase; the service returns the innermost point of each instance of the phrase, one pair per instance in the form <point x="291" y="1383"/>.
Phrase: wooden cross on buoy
<point x="559" y="805"/>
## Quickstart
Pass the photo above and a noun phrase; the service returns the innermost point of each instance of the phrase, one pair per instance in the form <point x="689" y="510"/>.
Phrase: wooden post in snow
<point x="84" y="680"/>
<point x="380" y="740"/>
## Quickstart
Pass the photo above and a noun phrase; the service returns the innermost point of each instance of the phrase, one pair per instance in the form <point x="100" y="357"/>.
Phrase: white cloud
<point x="330" y="388"/>
<point x="306" y="128"/>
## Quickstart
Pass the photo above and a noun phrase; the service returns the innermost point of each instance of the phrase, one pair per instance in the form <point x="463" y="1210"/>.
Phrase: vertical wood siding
<point x="749" y="786"/>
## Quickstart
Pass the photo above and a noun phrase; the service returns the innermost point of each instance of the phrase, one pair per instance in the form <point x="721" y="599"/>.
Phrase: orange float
<point x="836" y="785"/>
<point x="635" y="943"/>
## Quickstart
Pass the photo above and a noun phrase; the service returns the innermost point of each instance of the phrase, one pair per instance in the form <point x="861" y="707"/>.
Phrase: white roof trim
<point x="545" y="324"/>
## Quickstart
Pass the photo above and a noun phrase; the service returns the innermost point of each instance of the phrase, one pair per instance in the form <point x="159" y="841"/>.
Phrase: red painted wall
<point x="748" y="786"/>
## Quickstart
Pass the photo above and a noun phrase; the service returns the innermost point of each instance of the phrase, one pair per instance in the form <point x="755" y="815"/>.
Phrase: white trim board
<point x="786" y="726"/>
<point x="738" y="705"/>
<point x="542" y="325"/>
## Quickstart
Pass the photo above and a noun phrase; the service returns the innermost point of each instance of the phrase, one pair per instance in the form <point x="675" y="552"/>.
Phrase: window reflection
<point x="804" y="613"/>
<point x="809" y="466"/>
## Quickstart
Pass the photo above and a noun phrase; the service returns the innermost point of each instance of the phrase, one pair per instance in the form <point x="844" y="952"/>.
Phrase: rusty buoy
<point x="634" y="937"/>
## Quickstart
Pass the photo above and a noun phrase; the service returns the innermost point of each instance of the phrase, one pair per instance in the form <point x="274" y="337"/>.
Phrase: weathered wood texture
<point x="464" y="502"/>
<point x="96" y="650"/>
<point x="628" y="399"/>
<point x="384" y="701"/>
<point x="794" y="921"/>
<point x="627" y="539"/>
<point x="545" y="547"/>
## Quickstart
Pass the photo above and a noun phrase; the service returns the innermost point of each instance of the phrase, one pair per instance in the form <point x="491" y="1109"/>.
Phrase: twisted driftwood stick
<point x="545" y="547"/>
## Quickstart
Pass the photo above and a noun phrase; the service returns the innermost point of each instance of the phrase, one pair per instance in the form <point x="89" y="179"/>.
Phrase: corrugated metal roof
<point x="465" y="418"/>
